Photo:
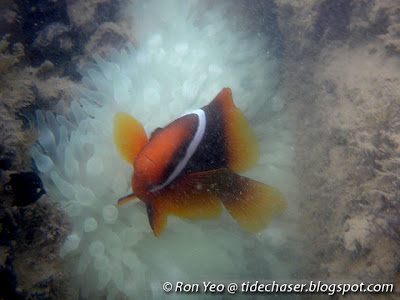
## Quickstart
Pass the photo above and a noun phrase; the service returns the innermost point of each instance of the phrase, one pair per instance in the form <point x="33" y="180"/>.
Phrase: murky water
<point x="320" y="103"/>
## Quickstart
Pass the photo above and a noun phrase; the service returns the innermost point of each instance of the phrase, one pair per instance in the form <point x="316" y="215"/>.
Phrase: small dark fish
<point x="27" y="188"/>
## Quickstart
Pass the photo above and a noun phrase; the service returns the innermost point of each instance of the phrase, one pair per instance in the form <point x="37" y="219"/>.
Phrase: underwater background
<point x="318" y="80"/>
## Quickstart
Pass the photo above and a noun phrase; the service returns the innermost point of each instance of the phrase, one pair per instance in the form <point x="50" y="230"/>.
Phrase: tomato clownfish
<point x="188" y="167"/>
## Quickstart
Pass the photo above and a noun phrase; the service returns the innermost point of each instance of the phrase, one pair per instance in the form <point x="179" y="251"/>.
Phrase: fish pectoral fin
<point x="251" y="203"/>
<point x="129" y="136"/>
<point x="123" y="200"/>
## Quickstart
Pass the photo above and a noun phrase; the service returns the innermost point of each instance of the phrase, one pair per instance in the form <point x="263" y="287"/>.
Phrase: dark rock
<point x="333" y="21"/>
<point x="54" y="44"/>
<point x="8" y="282"/>
<point x="6" y="158"/>
<point x="36" y="15"/>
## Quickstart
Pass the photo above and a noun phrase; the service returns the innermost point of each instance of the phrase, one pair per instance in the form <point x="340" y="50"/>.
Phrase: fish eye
<point x="8" y="188"/>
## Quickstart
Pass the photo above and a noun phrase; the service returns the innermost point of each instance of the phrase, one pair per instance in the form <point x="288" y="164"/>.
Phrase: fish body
<point x="27" y="188"/>
<point x="188" y="168"/>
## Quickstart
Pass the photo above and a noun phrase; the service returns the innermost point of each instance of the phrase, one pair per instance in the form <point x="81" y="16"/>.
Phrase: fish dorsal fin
<point x="242" y="145"/>
<point x="129" y="136"/>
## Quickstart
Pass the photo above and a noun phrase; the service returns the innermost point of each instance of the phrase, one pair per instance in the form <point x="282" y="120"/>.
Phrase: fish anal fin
<point x="242" y="144"/>
<point x="157" y="217"/>
<point x="129" y="136"/>
<point x="182" y="200"/>
<point x="192" y="201"/>
<point x="187" y="199"/>
<point x="251" y="203"/>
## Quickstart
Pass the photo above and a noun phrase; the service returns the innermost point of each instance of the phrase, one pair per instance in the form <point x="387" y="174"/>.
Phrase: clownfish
<point x="188" y="168"/>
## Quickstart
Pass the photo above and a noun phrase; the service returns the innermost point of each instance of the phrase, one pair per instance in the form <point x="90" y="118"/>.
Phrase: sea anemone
<point x="186" y="52"/>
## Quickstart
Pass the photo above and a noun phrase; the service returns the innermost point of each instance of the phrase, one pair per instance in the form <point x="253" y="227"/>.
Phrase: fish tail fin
<point x="242" y="144"/>
<point x="252" y="204"/>
<point x="129" y="136"/>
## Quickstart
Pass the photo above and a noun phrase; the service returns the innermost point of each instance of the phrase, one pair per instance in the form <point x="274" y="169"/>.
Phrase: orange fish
<point x="188" y="167"/>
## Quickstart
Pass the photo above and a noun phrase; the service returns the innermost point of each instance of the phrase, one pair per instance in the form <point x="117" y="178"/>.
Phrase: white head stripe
<point x="198" y="136"/>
